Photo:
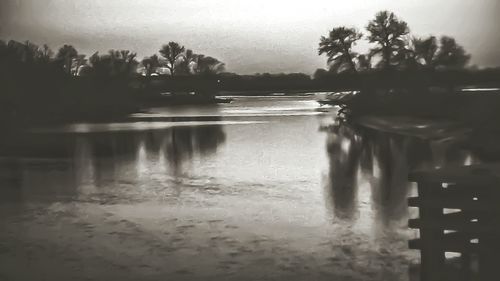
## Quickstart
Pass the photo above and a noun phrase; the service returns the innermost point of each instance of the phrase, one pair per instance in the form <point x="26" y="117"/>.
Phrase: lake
<point x="264" y="188"/>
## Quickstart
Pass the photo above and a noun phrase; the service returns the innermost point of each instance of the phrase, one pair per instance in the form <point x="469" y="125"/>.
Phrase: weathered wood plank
<point x="467" y="204"/>
<point x="475" y="190"/>
<point x="457" y="225"/>
<point x="452" y="242"/>
<point x="431" y="251"/>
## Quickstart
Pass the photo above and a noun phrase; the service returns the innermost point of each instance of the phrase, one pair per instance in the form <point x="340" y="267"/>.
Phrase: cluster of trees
<point x="175" y="59"/>
<point x="37" y="81"/>
<point x="181" y="61"/>
<point x="67" y="60"/>
<point x="394" y="48"/>
<point x="37" y="85"/>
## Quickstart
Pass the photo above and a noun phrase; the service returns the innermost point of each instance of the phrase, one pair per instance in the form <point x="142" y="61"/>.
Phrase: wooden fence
<point x="459" y="212"/>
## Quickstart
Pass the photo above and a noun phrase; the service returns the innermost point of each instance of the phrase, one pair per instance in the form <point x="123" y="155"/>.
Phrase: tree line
<point x="394" y="48"/>
<point x="174" y="59"/>
<point x="38" y="85"/>
<point x="181" y="61"/>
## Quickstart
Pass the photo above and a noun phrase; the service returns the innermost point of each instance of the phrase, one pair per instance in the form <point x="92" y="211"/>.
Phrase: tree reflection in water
<point x="155" y="153"/>
<point x="360" y="157"/>
<point x="87" y="164"/>
<point x="183" y="142"/>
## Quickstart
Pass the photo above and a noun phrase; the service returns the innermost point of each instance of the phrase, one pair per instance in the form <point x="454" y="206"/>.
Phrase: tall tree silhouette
<point x="338" y="48"/>
<point x="65" y="55"/>
<point x="450" y="54"/>
<point x="425" y="50"/>
<point x="172" y="52"/>
<point x="32" y="52"/>
<point x="206" y="65"/>
<point x="151" y="64"/>
<point x="27" y="52"/>
<point x="46" y="54"/>
<point x="123" y="61"/>
<point x="388" y="32"/>
<point x="445" y="55"/>
<point x="120" y="63"/>
<point x="185" y="66"/>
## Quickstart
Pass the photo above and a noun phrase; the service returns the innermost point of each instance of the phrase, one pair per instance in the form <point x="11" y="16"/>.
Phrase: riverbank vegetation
<point x="40" y="85"/>
<point x="393" y="48"/>
<point x="402" y="74"/>
<point x="397" y="74"/>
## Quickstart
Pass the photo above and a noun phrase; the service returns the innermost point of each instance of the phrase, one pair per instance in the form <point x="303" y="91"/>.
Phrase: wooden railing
<point x="459" y="211"/>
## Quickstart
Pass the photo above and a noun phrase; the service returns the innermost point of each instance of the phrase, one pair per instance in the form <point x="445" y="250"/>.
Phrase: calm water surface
<point x="264" y="188"/>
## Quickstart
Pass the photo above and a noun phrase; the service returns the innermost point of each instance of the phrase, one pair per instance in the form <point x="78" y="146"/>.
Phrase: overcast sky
<point x="249" y="36"/>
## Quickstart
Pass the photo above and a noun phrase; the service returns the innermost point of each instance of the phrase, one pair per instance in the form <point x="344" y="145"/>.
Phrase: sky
<point x="252" y="36"/>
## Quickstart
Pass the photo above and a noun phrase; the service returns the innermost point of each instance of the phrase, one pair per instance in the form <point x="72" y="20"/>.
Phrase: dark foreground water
<point x="260" y="189"/>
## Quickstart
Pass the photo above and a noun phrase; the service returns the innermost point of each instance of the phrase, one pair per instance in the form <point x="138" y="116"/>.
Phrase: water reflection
<point x="183" y="142"/>
<point x="344" y="156"/>
<point x="205" y="190"/>
<point x="361" y="158"/>
<point x="67" y="165"/>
